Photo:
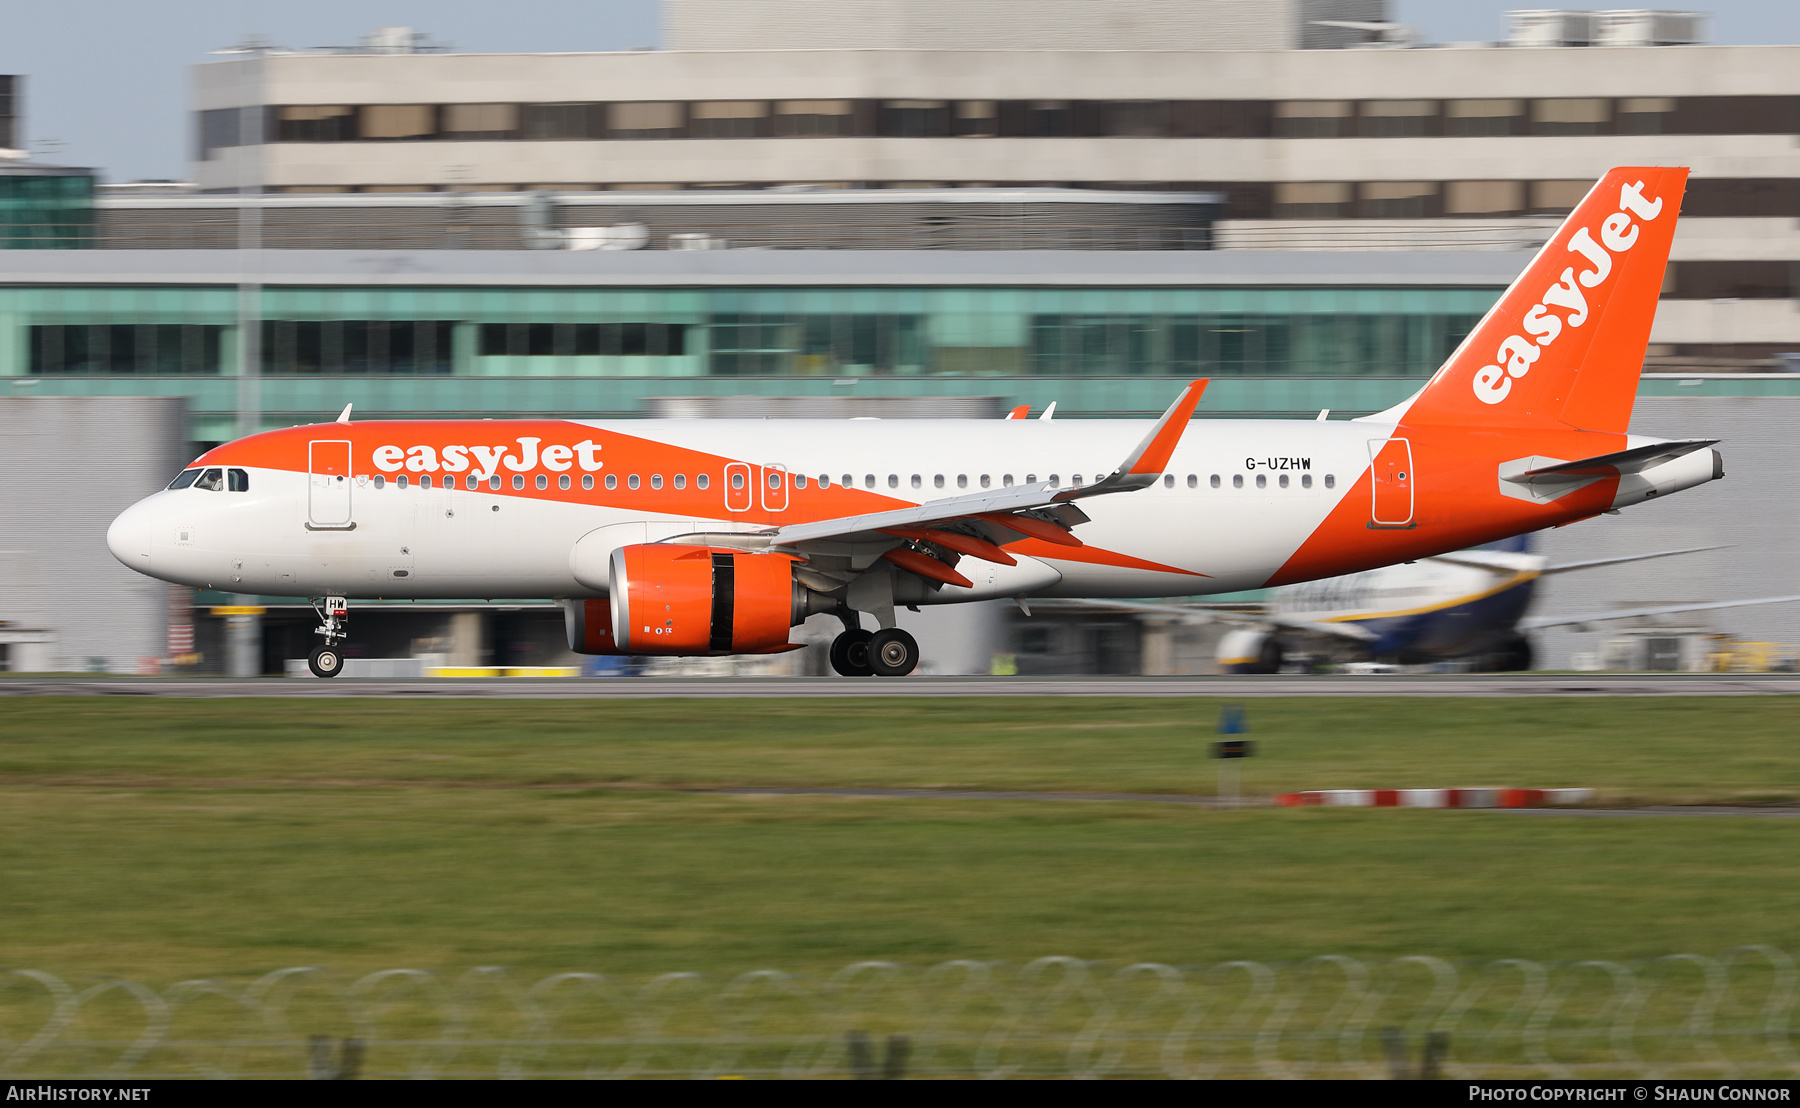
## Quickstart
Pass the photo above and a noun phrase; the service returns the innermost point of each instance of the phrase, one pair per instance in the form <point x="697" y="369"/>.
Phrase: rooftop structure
<point x="1017" y="24"/>
<point x="45" y="207"/>
<point x="150" y="217"/>
<point x="12" y="131"/>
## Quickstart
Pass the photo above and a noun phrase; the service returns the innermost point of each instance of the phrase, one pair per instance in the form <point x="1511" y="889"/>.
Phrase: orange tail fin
<point x="1565" y="344"/>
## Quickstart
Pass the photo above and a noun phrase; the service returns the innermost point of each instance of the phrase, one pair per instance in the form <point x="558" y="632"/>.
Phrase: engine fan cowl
<point x="669" y="599"/>
<point x="589" y="625"/>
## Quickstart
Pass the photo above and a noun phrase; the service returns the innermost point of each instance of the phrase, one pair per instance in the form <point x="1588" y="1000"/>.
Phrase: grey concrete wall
<point x="1168" y="71"/>
<point x="991" y="24"/>
<point x="72" y="464"/>
<point x="1756" y="508"/>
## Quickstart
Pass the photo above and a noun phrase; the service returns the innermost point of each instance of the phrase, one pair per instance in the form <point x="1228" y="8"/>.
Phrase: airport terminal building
<point x="861" y="221"/>
<point x="1468" y="146"/>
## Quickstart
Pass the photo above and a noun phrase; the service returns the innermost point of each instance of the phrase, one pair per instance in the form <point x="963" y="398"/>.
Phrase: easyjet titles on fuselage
<point x="486" y="461"/>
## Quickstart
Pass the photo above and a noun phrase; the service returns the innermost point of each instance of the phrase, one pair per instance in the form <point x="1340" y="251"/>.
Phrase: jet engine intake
<point x="670" y="599"/>
<point x="589" y="626"/>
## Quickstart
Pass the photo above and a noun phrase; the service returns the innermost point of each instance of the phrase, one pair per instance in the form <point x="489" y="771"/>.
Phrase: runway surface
<point x="1475" y="685"/>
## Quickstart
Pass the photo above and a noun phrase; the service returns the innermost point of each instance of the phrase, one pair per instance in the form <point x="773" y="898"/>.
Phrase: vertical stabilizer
<point x="1564" y="345"/>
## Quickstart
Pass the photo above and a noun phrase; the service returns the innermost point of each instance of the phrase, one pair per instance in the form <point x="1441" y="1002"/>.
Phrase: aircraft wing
<point x="1538" y="623"/>
<point x="1567" y="566"/>
<point x="1195" y="614"/>
<point x="1040" y="510"/>
<point x="1503" y="561"/>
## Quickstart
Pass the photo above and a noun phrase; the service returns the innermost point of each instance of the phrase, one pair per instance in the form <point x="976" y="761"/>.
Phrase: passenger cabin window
<point x="400" y="481"/>
<point x="518" y="480"/>
<point x="962" y="480"/>
<point x="893" y="480"/>
<point x="612" y="480"/>
<point x="425" y="482"/>
<point x="656" y="480"/>
<point x="1194" y="481"/>
<point x="1283" y="481"/>
<point x="1330" y="481"/>
<point x="1168" y="480"/>
<point x="1215" y="480"/>
<point x="587" y="480"/>
<point x="563" y="481"/>
<point x="632" y="481"/>
<point x="474" y="482"/>
<point x="1306" y="480"/>
<point x="1262" y="481"/>
<point x="213" y="480"/>
<point x="799" y="480"/>
<point x="737" y="481"/>
<point x="381" y="482"/>
<point x="1237" y="480"/>
<point x="185" y="478"/>
<point x="681" y="480"/>
<point x="494" y="482"/>
<point x="238" y="480"/>
<point x="700" y="482"/>
<point x="824" y="480"/>
<point x="543" y="480"/>
<point x="918" y="483"/>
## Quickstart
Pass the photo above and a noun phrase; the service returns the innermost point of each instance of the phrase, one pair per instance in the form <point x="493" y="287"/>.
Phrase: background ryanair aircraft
<point x="1466" y="605"/>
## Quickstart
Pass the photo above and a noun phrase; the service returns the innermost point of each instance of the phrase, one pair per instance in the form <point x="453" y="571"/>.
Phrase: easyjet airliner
<point x="717" y="537"/>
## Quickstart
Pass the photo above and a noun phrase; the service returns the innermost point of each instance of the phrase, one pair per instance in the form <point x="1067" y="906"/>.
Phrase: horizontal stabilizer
<point x="1635" y="460"/>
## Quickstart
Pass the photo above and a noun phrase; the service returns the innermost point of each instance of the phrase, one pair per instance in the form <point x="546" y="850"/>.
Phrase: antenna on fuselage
<point x="344" y="416"/>
<point x="1049" y="412"/>
<point x="1323" y="412"/>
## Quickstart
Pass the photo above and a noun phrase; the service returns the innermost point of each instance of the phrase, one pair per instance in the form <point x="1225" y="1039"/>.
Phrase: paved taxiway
<point x="1476" y="685"/>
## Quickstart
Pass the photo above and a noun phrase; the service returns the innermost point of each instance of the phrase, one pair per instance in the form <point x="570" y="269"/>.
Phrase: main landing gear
<point x="328" y="660"/>
<point x="886" y="653"/>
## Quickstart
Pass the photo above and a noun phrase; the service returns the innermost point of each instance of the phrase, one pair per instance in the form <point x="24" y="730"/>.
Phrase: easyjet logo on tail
<point x="1517" y="354"/>
<point x="487" y="460"/>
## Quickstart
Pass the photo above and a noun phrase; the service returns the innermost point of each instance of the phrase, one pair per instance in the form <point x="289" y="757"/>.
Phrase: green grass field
<point x="158" y="839"/>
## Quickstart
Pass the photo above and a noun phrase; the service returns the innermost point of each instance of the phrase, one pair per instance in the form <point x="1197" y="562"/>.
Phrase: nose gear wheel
<point x="325" y="661"/>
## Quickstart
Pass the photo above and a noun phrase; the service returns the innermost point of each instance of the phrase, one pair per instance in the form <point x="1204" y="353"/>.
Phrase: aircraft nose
<point x="129" y="537"/>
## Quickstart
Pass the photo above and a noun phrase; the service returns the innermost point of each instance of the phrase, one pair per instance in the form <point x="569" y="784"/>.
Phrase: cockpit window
<point x="184" y="478"/>
<point x="237" y="480"/>
<point x="213" y="480"/>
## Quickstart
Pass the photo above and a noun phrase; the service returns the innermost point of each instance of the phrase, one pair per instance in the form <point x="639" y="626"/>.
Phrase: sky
<point x="106" y="80"/>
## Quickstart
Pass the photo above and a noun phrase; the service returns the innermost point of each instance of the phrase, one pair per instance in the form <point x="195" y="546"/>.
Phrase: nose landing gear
<point x="334" y="615"/>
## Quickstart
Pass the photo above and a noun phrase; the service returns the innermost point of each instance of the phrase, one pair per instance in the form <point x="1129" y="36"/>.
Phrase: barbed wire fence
<point x="1680" y="1016"/>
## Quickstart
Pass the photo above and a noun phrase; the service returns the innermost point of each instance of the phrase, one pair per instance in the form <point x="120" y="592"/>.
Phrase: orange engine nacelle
<point x="670" y="599"/>
<point x="589" y="626"/>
